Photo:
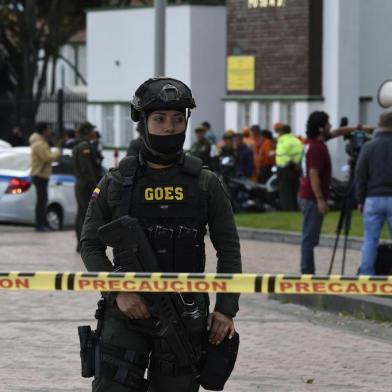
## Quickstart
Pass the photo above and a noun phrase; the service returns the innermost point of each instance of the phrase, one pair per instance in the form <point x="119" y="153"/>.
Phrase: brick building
<point x="309" y="54"/>
<point x="285" y="38"/>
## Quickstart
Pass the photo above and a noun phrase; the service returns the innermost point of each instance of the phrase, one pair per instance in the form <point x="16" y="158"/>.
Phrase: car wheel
<point x="54" y="216"/>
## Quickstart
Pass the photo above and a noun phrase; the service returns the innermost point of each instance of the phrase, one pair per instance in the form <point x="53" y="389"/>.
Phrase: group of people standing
<point x="303" y="168"/>
<point x="255" y="153"/>
<point x="304" y="171"/>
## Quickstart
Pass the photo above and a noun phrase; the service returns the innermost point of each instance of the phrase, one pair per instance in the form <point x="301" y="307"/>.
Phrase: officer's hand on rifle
<point x="133" y="306"/>
<point x="219" y="326"/>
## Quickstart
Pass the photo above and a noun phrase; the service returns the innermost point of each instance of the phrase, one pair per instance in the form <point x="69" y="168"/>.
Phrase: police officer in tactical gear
<point x="201" y="148"/>
<point x="87" y="173"/>
<point x="174" y="198"/>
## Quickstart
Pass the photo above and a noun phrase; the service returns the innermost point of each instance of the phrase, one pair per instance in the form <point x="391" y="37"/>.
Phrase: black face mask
<point x="169" y="144"/>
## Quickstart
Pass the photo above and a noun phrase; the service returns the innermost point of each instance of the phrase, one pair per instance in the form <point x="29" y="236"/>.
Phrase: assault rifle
<point x="174" y="317"/>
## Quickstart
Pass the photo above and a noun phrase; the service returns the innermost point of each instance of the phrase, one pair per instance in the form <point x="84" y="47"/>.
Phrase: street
<point x="284" y="347"/>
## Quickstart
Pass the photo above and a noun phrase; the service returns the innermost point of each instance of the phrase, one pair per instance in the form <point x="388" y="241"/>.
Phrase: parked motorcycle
<point x="247" y="195"/>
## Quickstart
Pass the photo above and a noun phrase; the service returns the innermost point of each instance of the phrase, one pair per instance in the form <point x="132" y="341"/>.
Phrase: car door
<point x="61" y="188"/>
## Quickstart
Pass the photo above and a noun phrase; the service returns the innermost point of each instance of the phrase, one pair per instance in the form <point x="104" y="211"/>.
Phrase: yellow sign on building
<point x="241" y="73"/>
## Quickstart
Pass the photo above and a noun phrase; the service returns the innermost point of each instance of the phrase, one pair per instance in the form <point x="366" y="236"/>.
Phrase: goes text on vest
<point x="164" y="193"/>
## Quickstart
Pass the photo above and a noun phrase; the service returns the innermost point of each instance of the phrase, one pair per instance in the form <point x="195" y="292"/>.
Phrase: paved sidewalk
<point x="284" y="347"/>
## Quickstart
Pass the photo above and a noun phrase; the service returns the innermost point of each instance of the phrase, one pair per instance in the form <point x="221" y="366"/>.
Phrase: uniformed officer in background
<point x="87" y="173"/>
<point x="201" y="148"/>
<point x="174" y="199"/>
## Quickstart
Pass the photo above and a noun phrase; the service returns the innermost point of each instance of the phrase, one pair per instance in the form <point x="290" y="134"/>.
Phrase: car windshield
<point x="15" y="162"/>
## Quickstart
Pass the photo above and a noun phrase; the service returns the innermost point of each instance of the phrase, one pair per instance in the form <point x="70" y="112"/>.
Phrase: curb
<point x="372" y="307"/>
<point x="290" y="237"/>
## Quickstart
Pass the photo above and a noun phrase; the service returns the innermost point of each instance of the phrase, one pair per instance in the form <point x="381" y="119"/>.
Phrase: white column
<point x="301" y="110"/>
<point x="99" y="116"/>
<point x="231" y="115"/>
<point x="254" y="113"/>
<point x="341" y="69"/>
<point x="275" y="113"/>
<point x="117" y="125"/>
<point x="341" y="59"/>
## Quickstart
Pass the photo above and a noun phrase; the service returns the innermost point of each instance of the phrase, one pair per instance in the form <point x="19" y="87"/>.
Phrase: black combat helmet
<point x="161" y="93"/>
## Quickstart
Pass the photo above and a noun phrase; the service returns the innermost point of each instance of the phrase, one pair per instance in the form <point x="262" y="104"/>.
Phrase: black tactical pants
<point x="117" y="331"/>
<point x="288" y="188"/>
<point x="41" y="187"/>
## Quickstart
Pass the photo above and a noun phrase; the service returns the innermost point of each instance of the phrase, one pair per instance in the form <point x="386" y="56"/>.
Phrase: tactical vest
<point x="171" y="207"/>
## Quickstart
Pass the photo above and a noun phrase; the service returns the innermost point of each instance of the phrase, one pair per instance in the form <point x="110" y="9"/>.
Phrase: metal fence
<point x="64" y="110"/>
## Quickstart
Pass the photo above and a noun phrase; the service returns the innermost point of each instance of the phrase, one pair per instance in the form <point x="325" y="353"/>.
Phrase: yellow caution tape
<point x="199" y="282"/>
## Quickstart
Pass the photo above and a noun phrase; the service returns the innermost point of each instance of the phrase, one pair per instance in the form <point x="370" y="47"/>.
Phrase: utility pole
<point x="160" y="28"/>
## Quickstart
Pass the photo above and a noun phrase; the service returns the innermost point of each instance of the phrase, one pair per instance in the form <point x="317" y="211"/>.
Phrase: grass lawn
<point x="292" y="221"/>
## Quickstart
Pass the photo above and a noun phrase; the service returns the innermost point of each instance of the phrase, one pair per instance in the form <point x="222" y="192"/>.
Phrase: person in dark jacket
<point x="201" y="148"/>
<point x="210" y="135"/>
<point x="98" y="152"/>
<point x="16" y="139"/>
<point x="373" y="179"/>
<point x="87" y="173"/>
<point x="244" y="156"/>
<point x="69" y="139"/>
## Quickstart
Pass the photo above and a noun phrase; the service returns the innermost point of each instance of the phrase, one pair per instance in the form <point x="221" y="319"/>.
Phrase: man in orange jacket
<point x="265" y="156"/>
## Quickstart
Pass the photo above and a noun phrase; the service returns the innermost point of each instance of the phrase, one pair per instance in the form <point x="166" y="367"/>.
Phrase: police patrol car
<point x="17" y="192"/>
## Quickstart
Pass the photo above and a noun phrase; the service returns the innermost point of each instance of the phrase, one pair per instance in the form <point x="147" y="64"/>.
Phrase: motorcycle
<point x="247" y="195"/>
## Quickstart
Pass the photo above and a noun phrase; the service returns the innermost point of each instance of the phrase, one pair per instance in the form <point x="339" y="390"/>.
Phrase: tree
<point x="31" y="35"/>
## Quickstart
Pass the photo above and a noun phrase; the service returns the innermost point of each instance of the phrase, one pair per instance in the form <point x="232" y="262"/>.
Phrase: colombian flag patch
<point x="95" y="193"/>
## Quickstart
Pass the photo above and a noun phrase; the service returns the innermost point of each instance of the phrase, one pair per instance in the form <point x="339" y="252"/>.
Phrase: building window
<point x="108" y="125"/>
<point x="244" y="115"/>
<point x="127" y="126"/>
<point x="287" y="113"/>
<point x="265" y="115"/>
